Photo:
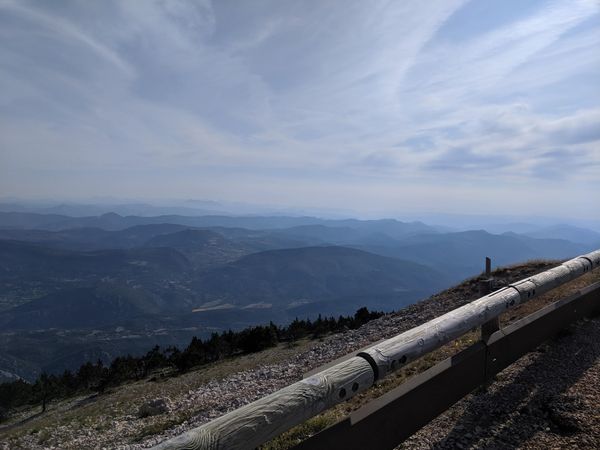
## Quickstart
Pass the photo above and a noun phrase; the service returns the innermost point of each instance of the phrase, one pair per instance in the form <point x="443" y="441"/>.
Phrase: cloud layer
<point x="382" y="105"/>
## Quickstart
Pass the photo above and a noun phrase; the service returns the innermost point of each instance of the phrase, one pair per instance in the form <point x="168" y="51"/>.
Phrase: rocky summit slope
<point x="548" y="399"/>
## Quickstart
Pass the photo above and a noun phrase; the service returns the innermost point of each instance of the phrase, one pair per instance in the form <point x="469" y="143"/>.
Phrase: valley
<point x="76" y="289"/>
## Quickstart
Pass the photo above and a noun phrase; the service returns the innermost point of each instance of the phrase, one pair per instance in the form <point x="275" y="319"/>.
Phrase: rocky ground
<point x="548" y="399"/>
<point x="114" y="420"/>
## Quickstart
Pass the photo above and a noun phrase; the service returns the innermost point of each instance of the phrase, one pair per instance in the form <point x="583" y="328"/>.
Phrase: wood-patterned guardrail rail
<point x="254" y="424"/>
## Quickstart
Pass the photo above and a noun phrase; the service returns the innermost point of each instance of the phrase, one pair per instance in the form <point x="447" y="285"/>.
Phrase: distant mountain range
<point x="567" y="232"/>
<point x="459" y="255"/>
<point x="189" y="208"/>
<point x="113" y="221"/>
<point x="305" y="275"/>
<point x="99" y="286"/>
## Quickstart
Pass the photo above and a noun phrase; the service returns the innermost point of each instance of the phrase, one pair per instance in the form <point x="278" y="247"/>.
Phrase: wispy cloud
<point x="218" y="98"/>
<point x="66" y="31"/>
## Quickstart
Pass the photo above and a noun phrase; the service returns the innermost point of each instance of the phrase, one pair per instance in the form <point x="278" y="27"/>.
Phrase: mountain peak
<point x="111" y="215"/>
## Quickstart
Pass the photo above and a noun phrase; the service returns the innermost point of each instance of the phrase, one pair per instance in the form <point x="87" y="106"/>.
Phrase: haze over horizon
<point x="447" y="106"/>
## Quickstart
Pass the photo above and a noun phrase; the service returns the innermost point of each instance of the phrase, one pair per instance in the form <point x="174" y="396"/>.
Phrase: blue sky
<point x="374" y="106"/>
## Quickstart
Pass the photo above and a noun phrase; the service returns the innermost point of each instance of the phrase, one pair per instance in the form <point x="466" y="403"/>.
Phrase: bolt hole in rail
<point x="254" y="424"/>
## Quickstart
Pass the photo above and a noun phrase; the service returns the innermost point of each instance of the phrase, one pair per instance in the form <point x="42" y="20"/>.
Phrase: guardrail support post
<point x="489" y="328"/>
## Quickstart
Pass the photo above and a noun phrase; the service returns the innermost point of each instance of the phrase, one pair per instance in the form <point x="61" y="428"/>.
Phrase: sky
<point x="445" y="106"/>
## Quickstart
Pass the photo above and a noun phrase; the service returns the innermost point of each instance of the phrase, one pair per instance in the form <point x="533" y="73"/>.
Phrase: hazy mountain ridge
<point x="312" y="274"/>
<point x="204" y="248"/>
<point x="30" y="271"/>
<point x="567" y="232"/>
<point x="85" y="307"/>
<point x="104" y="291"/>
<point x="112" y="221"/>
<point x="459" y="254"/>
<point x="22" y="262"/>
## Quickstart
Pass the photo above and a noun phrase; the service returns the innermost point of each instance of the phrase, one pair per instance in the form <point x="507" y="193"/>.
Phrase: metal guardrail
<point x="260" y="421"/>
